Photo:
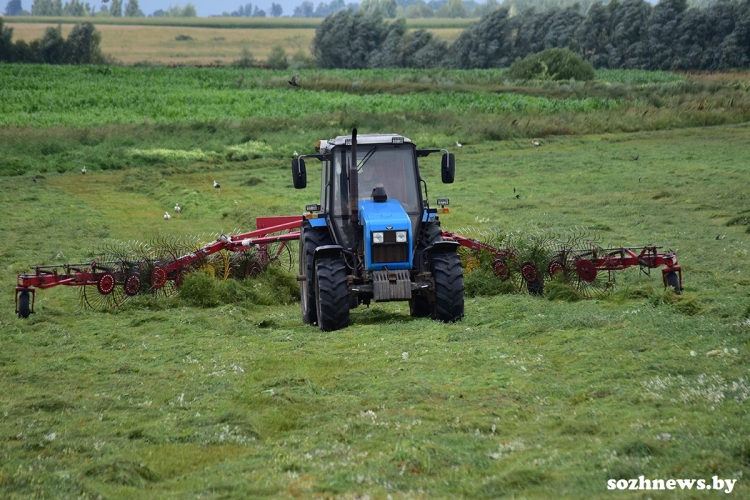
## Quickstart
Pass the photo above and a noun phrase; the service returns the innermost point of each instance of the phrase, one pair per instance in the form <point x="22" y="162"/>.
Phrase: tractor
<point x="374" y="237"/>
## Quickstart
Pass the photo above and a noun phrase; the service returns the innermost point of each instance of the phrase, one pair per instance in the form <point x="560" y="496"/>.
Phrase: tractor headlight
<point x="377" y="237"/>
<point x="400" y="236"/>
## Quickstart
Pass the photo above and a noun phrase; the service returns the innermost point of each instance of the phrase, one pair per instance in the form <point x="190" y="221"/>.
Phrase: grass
<point x="526" y="397"/>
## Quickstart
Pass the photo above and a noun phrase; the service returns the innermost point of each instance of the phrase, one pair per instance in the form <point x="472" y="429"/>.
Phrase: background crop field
<point x="526" y="397"/>
<point x="213" y="41"/>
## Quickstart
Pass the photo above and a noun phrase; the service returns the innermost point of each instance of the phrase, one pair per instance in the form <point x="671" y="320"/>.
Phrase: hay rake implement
<point x="124" y="270"/>
<point x="157" y="268"/>
<point x="574" y="258"/>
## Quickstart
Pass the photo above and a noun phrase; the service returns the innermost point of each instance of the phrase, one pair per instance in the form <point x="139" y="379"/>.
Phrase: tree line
<point x="76" y="8"/>
<point x="81" y="46"/>
<point x="627" y="34"/>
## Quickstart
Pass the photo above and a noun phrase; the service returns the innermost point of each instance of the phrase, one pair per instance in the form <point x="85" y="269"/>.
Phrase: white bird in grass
<point x="217" y="187"/>
<point x="177" y="208"/>
<point x="167" y="216"/>
<point x="83" y="171"/>
<point x="536" y="143"/>
<point x="458" y="144"/>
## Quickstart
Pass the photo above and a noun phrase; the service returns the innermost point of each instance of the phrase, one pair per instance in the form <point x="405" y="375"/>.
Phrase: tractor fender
<point x="437" y="248"/>
<point x="328" y="251"/>
<point x="442" y="247"/>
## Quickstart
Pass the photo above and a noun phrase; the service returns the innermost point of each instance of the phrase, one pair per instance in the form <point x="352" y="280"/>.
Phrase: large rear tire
<point x="332" y="293"/>
<point x="310" y="239"/>
<point x="24" y="304"/>
<point x="449" y="287"/>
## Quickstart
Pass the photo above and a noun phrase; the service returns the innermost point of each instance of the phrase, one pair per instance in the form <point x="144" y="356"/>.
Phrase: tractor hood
<point x="387" y="235"/>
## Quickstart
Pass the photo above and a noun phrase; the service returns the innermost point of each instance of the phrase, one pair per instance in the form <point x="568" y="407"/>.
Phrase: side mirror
<point x="448" y="168"/>
<point x="299" y="173"/>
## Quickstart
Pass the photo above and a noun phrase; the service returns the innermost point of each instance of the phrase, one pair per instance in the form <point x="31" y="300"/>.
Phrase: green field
<point x="526" y="397"/>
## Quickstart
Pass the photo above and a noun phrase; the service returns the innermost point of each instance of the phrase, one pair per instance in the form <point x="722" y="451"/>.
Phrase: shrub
<point x="246" y="60"/>
<point x="552" y="64"/>
<point x="277" y="59"/>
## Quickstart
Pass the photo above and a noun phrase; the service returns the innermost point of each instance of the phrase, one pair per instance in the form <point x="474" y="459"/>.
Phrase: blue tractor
<point x="373" y="237"/>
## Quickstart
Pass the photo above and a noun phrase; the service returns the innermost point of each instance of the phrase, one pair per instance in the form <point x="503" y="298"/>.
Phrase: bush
<point x="552" y="64"/>
<point x="246" y="60"/>
<point x="277" y="59"/>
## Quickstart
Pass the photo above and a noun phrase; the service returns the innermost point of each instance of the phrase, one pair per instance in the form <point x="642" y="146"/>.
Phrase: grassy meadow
<point x="159" y="41"/>
<point x="526" y="397"/>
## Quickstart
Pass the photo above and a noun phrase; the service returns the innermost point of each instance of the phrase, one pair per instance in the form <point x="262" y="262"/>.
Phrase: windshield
<point x="391" y="167"/>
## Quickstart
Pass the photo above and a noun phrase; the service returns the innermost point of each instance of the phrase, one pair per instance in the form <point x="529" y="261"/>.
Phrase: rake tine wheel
<point x="583" y="257"/>
<point x="111" y="271"/>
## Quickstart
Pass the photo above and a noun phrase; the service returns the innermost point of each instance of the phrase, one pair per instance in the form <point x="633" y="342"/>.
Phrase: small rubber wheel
<point x="24" y="304"/>
<point x="673" y="280"/>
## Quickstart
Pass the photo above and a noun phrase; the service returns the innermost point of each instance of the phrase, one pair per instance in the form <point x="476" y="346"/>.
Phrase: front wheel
<point x="332" y="294"/>
<point x="449" y="287"/>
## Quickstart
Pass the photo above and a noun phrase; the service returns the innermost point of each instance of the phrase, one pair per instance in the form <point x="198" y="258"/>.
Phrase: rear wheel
<point x="310" y="239"/>
<point x="449" y="287"/>
<point x="673" y="280"/>
<point x="331" y="292"/>
<point x="24" y="304"/>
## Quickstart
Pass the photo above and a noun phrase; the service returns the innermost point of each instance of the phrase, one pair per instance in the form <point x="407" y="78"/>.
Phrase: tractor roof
<point x="362" y="139"/>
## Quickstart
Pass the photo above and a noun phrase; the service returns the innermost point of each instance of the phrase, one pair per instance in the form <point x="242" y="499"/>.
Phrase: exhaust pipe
<point x="354" y="182"/>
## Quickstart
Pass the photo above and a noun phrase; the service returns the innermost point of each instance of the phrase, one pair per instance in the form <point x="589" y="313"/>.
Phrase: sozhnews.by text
<point x="714" y="484"/>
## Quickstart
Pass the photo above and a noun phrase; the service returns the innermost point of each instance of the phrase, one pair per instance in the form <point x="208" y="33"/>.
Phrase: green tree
<point x="74" y="8"/>
<point x="276" y="10"/>
<point x="277" y="58"/>
<point x="132" y="9"/>
<point x="41" y="8"/>
<point x="382" y="8"/>
<point x="13" y="8"/>
<point x="57" y="8"/>
<point x="665" y="19"/>
<point x="420" y="49"/>
<point x="388" y="55"/>
<point x="485" y="8"/>
<point x="453" y="9"/>
<point x="346" y="40"/>
<point x="419" y="10"/>
<point x="82" y="45"/>
<point x="485" y="44"/>
<point x="115" y="8"/>
<point x="6" y="43"/>
<point x="629" y="35"/>
<point x="52" y="46"/>
<point x="593" y="35"/>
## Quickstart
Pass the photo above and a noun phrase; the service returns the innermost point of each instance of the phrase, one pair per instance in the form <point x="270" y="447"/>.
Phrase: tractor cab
<point x="374" y="219"/>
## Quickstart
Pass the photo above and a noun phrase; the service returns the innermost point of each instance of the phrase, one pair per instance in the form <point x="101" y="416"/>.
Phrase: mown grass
<point x="526" y="397"/>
